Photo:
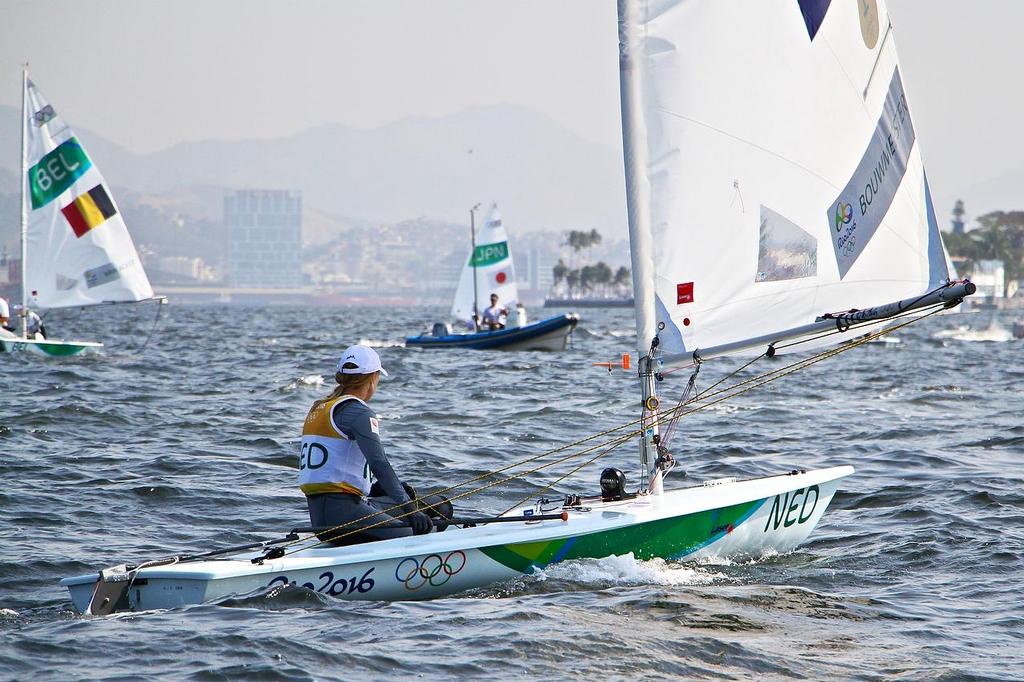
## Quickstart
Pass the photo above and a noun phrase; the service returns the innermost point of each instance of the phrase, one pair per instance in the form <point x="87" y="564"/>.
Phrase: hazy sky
<point x="149" y="74"/>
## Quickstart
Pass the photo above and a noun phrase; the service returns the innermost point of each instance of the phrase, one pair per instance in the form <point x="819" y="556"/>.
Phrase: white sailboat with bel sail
<point x="75" y="248"/>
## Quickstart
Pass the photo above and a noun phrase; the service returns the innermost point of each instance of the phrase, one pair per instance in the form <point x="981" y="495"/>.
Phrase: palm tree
<point x="602" y="275"/>
<point x="999" y="237"/>
<point x="593" y="239"/>
<point x="621" y="276"/>
<point x="572" y="279"/>
<point x="559" y="271"/>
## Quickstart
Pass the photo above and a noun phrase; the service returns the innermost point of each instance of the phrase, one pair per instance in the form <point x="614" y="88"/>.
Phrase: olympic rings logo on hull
<point x="432" y="570"/>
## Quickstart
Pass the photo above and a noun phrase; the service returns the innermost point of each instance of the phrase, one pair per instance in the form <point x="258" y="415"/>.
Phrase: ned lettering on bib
<point x="329" y="461"/>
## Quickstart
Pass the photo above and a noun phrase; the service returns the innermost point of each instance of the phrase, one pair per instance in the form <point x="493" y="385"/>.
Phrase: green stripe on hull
<point x="671" y="538"/>
<point x="58" y="349"/>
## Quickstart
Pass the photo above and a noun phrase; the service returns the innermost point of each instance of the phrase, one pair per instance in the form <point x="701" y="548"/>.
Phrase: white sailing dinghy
<point x="75" y="248"/>
<point x="774" y="183"/>
<point x="489" y="269"/>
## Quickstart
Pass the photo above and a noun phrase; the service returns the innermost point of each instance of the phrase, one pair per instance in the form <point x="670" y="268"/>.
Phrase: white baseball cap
<point x="4" y="310"/>
<point x="364" y="358"/>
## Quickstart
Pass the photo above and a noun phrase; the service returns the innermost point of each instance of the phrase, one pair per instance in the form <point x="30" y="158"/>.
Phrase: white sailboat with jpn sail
<point x="75" y="248"/>
<point x="777" y="201"/>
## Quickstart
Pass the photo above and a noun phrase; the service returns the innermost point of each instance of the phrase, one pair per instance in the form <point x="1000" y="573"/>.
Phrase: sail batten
<point x="78" y="251"/>
<point x="773" y="170"/>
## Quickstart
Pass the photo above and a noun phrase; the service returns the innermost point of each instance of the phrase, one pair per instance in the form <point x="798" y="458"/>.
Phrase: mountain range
<point x="543" y="175"/>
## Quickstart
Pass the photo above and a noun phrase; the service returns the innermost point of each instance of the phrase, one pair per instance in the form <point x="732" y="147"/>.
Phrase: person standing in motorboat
<point x="492" y="315"/>
<point x="341" y="449"/>
<point x="516" y="316"/>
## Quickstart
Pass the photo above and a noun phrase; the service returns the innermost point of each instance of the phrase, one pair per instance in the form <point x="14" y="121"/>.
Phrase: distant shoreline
<point x="588" y="302"/>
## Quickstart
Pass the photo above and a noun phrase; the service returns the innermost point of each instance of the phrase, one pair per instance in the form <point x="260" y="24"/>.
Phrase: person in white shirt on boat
<point x="516" y="316"/>
<point x="341" y="450"/>
<point x="6" y="329"/>
<point x="492" y="315"/>
<point x="36" y="330"/>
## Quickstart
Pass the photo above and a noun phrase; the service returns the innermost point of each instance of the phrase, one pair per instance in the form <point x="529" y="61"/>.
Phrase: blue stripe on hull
<point x="718" y="536"/>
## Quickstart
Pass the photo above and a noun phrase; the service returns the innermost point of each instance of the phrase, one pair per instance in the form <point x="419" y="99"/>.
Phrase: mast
<point x="635" y="159"/>
<point x="472" y="260"/>
<point x="24" y="199"/>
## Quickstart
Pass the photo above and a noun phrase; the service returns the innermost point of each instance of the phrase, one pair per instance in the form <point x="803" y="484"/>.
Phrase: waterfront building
<point x="989" y="277"/>
<point x="264" y="238"/>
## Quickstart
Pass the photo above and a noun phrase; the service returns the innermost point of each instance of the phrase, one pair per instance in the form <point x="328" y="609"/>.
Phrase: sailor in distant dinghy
<point x="5" y="319"/>
<point x="341" y="449"/>
<point x="33" y="323"/>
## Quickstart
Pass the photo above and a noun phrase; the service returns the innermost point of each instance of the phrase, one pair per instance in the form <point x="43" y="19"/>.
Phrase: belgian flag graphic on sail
<point x="89" y="210"/>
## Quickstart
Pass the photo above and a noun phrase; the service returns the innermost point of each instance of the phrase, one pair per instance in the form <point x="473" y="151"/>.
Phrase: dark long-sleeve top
<point x="359" y="423"/>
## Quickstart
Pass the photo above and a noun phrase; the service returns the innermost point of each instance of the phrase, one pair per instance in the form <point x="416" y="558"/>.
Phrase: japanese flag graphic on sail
<point x="491" y="266"/>
<point x="78" y="249"/>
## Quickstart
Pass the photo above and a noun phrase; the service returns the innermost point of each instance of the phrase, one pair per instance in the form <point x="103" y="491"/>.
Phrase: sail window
<point x="785" y="251"/>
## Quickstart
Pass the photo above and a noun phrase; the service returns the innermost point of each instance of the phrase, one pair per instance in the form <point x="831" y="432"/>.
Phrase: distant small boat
<point x="489" y="270"/>
<point x="993" y="333"/>
<point x="550" y="334"/>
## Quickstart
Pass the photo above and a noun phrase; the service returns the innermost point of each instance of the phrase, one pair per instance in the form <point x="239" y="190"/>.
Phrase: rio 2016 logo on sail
<point x="844" y="214"/>
<point x="434" y="570"/>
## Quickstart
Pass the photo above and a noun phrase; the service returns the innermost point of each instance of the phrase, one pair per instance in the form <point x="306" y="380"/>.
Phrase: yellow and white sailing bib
<point x="329" y="461"/>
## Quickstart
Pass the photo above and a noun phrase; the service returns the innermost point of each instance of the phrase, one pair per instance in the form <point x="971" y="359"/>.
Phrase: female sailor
<point x="341" y="449"/>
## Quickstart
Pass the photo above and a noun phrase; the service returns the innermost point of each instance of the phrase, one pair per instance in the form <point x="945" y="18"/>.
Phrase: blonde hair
<point x="348" y="383"/>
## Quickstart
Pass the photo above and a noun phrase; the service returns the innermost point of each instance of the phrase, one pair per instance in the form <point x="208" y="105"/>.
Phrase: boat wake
<point x="612" y="571"/>
<point x="382" y="343"/>
<point x="627" y="570"/>
<point x="314" y="380"/>
<point x="993" y="333"/>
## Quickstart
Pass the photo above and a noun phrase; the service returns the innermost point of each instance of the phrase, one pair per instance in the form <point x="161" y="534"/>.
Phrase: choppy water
<point x="915" y="571"/>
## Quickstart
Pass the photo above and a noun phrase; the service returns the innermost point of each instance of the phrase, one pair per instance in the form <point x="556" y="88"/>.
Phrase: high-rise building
<point x="264" y="238"/>
<point x="534" y="267"/>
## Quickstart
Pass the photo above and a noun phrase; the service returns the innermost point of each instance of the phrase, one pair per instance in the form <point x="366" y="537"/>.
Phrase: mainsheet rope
<point x="672" y="413"/>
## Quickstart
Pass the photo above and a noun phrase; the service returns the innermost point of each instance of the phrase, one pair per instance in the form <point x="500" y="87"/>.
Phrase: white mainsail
<point x="79" y="251"/>
<point x="494" y="271"/>
<point x="776" y="169"/>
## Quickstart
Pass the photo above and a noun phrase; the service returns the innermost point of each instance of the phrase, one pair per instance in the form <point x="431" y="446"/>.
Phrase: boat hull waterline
<point x="728" y="519"/>
<point x="550" y="334"/>
<point x="52" y="348"/>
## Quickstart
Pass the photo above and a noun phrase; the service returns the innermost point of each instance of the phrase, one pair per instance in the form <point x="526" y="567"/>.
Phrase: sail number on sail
<point x="794" y="507"/>
<point x="57" y="171"/>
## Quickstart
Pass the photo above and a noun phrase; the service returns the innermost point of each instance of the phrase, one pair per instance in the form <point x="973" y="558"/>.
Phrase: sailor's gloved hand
<point x="420" y="523"/>
<point x="441" y="524"/>
<point x="409" y="490"/>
